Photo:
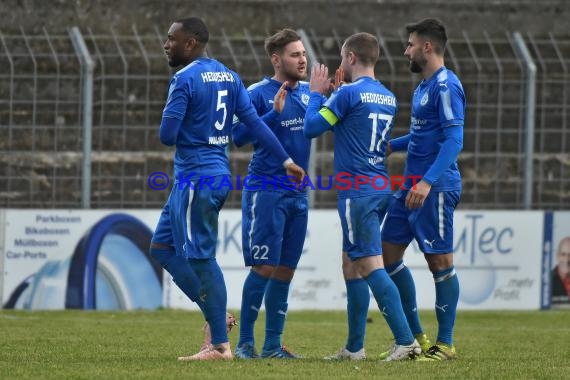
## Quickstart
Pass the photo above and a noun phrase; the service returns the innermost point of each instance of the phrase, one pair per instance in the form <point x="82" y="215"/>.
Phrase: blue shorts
<point x="274" y="226"/>
<point x="431" y="225"/>
<point x="361" y="219"/>
<point x="189" y="220"/>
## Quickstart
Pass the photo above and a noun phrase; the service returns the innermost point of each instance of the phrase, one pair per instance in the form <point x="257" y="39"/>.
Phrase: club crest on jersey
<point x="424" y="99"/>
<point x="305" y="99"/>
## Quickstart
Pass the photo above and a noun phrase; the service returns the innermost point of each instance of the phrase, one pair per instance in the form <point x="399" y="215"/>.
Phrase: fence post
<point x="564" y="126"/>
<point x="2" y="254"/>
<point x="87" y="68"/>
<point x="524" y="55"/>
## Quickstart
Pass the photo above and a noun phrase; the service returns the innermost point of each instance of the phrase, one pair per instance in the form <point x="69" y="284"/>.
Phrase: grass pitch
<point x="145" y="344"/>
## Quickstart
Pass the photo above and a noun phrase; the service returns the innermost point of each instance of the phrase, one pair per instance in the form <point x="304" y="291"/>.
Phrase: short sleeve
<point x="450" y="103"/>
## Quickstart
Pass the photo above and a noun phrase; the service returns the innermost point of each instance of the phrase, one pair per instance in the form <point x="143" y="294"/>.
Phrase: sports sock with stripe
<point x="446" y="298"/>
<point x="402" y="277"/>
<point x="386" y="294"/>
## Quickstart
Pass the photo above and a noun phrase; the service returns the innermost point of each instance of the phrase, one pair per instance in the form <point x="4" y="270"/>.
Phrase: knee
<point x="263" y="270"/>
<point x="349" y="270"/>
<point x="438" y="263"/>
<point x="392" y="253"/>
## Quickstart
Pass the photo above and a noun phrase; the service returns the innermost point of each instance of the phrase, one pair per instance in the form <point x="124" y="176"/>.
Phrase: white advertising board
<point x="66" y="258"/>
<point x="498" y="257"/>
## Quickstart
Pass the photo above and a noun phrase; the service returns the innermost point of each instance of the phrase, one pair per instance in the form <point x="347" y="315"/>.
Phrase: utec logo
<point x="478" y="246"/>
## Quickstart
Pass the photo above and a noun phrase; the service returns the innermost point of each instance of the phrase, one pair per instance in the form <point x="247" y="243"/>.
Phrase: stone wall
<point x="493" y="16"/>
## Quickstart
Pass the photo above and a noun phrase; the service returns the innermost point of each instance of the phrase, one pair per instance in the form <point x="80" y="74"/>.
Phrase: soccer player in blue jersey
<point x="274" y="216"/>
<point x="197" y="118"/>
<point x="361" y="116"/>
<point x="426" y="211"/>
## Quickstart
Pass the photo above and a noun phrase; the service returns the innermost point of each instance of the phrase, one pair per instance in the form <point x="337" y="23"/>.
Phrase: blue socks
<point x="386" y="294"/>
<point x="214" y="296"/>
<point x="402" y="277"/>
<point x="252" y="297"/>
<point x="181" y="272"/>
<point x="358" y="301"/>
<point x="446" y="298"/>
<point x="276" y="308"/>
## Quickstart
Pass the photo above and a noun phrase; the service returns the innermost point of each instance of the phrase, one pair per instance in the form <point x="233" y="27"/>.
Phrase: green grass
<point x="84" y="345"/>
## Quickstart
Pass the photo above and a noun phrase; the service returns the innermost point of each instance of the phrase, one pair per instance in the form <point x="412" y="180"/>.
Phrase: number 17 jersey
<point x="365" y="110"/>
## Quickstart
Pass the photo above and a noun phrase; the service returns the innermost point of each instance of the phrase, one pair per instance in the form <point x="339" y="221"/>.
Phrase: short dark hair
<point x="195" y="27"/>
<point x="277" y="42"/>
<point x="431" y="29"/>
<point x="364" y="46"/>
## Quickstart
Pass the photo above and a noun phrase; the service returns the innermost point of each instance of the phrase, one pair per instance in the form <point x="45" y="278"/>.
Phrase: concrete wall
<point x="494" y="16"/>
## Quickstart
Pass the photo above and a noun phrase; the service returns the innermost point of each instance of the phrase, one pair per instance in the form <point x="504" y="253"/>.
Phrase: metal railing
<point x="42" y="113"/>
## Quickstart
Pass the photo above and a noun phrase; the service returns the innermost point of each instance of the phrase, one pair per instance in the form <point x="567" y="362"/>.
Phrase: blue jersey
<point x="204" y="95"/>
<point x="365" y="111"/>
<point x="287" y="127"/>
<point x="438" y="102"/>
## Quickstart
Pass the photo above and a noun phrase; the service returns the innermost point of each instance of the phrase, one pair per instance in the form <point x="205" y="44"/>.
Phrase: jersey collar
<point x="434" y="76"/>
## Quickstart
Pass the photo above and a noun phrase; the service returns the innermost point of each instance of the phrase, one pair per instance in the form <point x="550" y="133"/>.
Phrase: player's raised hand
<point x="338" y="78"/>
<point x="279" y="99"/>
<point x="320" y="81"/>
<point x="296" y="171"/>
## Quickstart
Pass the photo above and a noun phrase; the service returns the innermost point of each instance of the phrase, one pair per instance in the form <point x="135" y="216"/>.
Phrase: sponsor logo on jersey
<point x="293" y="124"/>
